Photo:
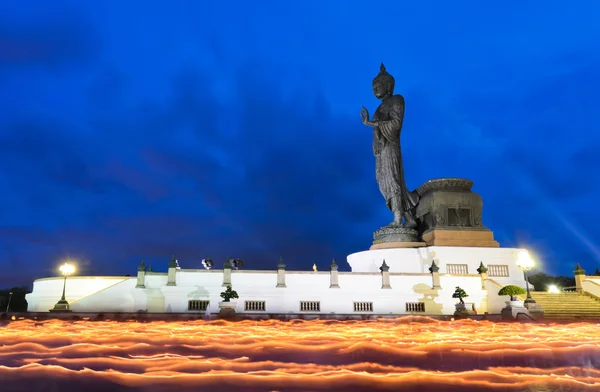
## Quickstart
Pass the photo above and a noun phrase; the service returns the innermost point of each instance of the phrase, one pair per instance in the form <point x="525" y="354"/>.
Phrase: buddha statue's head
<point x="383" y="84"/>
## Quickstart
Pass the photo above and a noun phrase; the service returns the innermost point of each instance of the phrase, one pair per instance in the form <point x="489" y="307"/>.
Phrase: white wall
<point x="591" y="285"/>
<point x="115" y="298"/>
<point x="495" y="302"/>
<point x="418" y="260"/>
<point x="315" y="286"/>
<point x="47" y="291"/>
<point x="410" y="281"/>
<point x="123" y="296"/>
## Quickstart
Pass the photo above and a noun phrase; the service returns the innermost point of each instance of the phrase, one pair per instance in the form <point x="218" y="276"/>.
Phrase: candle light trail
<point x="383" y="355"/>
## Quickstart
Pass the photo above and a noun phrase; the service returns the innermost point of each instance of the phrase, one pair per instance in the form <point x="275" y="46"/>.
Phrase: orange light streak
<point x="384" y="355"/>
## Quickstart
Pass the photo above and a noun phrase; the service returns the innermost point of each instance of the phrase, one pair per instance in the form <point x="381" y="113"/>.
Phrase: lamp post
<point x="525" y="263"/>
<point x="10" y="294"/>
<point x="63" y="305"/>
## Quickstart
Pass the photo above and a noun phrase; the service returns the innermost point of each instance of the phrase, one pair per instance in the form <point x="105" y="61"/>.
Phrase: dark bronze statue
<point x="387" y="124"/>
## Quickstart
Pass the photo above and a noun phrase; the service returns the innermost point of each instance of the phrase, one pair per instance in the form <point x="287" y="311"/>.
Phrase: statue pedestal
<point x="464" y="237"/>
<point x="390" y="245"/>
<point x="394" y="234"/>
<point x="450" y="214"/>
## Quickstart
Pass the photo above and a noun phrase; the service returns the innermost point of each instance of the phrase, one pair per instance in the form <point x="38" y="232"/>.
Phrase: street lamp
<point x="9" y="298"/>
<point x="525" y="263"/>
<point x="63" y="305"/>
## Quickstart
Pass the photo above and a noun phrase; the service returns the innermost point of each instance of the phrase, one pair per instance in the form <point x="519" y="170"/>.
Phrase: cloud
<point x="49" y="44"/>
<point x="260" y="176"/>
<point x="547" y="166"/>
<point x="283" y="180"/>
<point x="193" y="144"/>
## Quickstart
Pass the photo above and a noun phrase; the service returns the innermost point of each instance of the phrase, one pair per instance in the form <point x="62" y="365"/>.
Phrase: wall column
<point x="435" y="275"/>
<point x="173" y="265"/>
<point x="579" y="278"/>
<point x="281" y="274"/>
<point x="385" y="276"/>
<point x="483" y="271"/>
<point x="141" y="276"/>
<point x="227" y="273"/>
<point x="333" y="276"/>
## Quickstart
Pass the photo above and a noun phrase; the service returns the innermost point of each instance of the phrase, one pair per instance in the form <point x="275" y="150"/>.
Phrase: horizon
<point x="133" y="133"/>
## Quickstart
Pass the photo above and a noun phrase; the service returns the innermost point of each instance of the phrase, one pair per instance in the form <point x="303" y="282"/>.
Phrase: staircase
<point x="567" y="305"/>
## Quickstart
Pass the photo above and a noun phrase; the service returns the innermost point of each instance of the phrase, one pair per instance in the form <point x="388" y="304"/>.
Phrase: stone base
<point x="535" y="310"/>
<point x="519" y="313"/>
<point x="394" y="234"/>
<point x="227" y="313"/>
<point x="462" y="311"/>
<point x="54" y="310"/>
<point x="472" y="238"/>
<point x="463" y="314"/>
<point x="389" y="245"/>
<point x="61" y="306"/>
<point x="227" y="310"/>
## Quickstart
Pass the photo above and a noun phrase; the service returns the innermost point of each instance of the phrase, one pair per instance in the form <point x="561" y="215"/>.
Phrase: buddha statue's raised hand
<point x="364" y="115"/>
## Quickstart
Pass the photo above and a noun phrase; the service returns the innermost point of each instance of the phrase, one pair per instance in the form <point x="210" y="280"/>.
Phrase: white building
<point x="408" y="287"/>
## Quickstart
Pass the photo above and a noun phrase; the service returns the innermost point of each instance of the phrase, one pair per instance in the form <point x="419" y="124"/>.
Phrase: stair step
<point x="595" y="309"/>
<point x="579" y="303"/>
<point x="569" y="302"/>
<point x="592" y="306"/>
<point x="571" y="305"/>
<point x="586" y="301"/>
<point x="559" y="312"/>
<point x="572" y="308"/>
<point x="562" y="296"/>
<point x="554" y="311"/>
<point x="583" y="305"/>
<point x="562" y="292"/>
<point x="573" y="302"/>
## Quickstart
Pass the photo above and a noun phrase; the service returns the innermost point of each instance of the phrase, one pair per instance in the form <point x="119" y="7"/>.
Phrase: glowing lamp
<point x="524" y="261"/>
<point x="67" y="269"/>
<point x="553" y="289"/>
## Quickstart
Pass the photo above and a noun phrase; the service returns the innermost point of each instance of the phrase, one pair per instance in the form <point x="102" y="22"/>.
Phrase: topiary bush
<point x="229" y="294"/>
<point x="512" y="290"/>
<point x="460" y="294"/>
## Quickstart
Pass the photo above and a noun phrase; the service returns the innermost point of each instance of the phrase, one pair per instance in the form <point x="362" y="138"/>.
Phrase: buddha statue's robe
<point x="388" y="156"/>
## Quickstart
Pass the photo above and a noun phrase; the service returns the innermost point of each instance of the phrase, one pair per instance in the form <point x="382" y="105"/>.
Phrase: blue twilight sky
<point x="142" y="129"/>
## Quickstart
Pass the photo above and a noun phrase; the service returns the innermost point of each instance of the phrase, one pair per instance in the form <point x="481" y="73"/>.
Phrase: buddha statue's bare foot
<point x="397" y="222"/>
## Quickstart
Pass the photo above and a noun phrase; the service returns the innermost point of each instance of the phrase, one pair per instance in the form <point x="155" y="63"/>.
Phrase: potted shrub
<point x="227" y="308"/>
<point x="513" y="307"/>
<point x="461" y="309"/>
<point x="512" y="291"/>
